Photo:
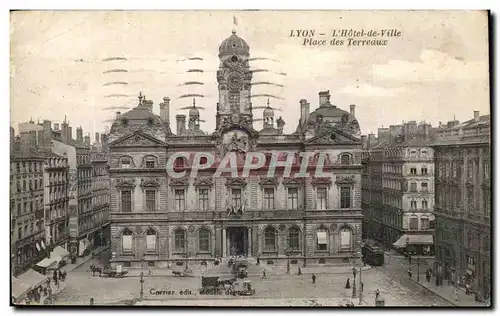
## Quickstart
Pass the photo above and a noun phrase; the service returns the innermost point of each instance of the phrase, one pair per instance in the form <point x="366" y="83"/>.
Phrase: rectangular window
<point x="151" y="242"/>
<point x="424" y="204"/>
<point x="150" y="164"/>
<point x="470" y="168"/>
<point x="321" y="198"/>
<point x="414" y="223"/>
<point x="345" y="240"/>
<point x="424" y="222"/>
<point x="126" y="201"/>
<point x="180" y="200"/>
<point x="269" y="198"/>
<point x="413" y="171"/>
<point x="150" y="200"/>
<point x="413" y="187"/>
<point x="425" y="186"/>
<point x="345" y="197"/>
<point x="293" y="198"/>
<point x="127" y="243"/>
<point x="236" y="197"/>
<point x="423" y="170"/>
<point x="321" y="241"/>
<point x="203" y="199"/>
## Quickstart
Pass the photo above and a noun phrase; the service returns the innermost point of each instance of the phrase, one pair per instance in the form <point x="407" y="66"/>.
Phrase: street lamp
<point x="354" y="282"/>
<point x="288" y="252"/>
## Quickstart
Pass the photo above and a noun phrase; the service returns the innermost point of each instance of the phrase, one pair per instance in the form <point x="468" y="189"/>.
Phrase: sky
<point x="59" y="64"/>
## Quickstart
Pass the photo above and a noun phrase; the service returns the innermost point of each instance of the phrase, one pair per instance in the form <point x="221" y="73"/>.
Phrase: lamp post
<point x="354" y="282"/>
<point x="141" y="281"/>
<point x="288" y="261"/>
<point x="361" y="278"/>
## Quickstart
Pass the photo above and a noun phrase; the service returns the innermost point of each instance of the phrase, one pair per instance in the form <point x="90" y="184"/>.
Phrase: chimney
<point x="148" y="105"/>
<point x="97" y="138"/>
<point x="406" y="131"/>
<point x="476" y="116"/>
<point x="79" y="135"/>
<point x="304" y="111"/>
<point x="104" y="141"/>
<point x="87" y="140"/>
<point x="56" y="126"/>
<point x="181" y="124"/>
<point x="324" y="97"/>
<point x="118" y="114"/>
<point x="364" y="142"/>
<point x="371" y="140"/>
<point x="352" y="107"/>
<point x="165" y="110"/>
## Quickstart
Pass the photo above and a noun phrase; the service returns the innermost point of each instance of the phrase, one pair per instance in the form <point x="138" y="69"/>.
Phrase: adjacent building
<point x="165" y="220"/>
<point x="27" y="233"/>
<point x="398" y="187"/>
<point x="462" y="156"/>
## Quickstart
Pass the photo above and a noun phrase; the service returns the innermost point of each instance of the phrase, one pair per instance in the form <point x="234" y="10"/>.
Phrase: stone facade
<point x="463" y="203"/>
<point x="161" y="219"/>
<point x="398" y="187"/>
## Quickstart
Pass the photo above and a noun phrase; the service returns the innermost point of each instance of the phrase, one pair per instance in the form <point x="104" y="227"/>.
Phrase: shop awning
<point x="27" y="281"/>
<point x="322" y="240"/>
<point x="19" y="288"/>
<point x="405" y="240"/>
<point x="47" y="262"/>
<point x="59" y="252"/>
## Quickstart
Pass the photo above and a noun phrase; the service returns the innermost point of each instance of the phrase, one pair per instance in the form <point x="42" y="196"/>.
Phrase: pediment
<point x="203" y="181"/>
<point x="292" y="181"/>
<point x="236" y="182"/>
<point x="333" y="136"/>
<point x="182" y="182"/>
<point x="150" y="182"/>
<point x="345" y="180"/>
<point x="137" y="139"/>
<point x="321" y="181"/>
<point x="269" y="181"/>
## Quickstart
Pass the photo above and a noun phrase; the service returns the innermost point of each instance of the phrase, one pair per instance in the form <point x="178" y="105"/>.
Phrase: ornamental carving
<point x="203" y="181"/>
<point x="150" y="182"/>
<point x="125" y="182"/>
<point x="182" y="182"/>
<point x="273" y="181"/>
<point x="282" y="227"/>
<point x="292" y="181"/>
<point x="351" y="180"/>
<point x="138" y="230"/>
<point x="321" y="181"/>
<point x="236" y="182"/>
<point x="191" y="228"/>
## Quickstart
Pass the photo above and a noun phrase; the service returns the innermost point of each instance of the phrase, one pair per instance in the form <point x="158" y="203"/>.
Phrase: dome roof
<point x="268" y="112"/>
<point x="140" y="115"/>
<point x="233" y="45"/>
<point x="194" y="112"/>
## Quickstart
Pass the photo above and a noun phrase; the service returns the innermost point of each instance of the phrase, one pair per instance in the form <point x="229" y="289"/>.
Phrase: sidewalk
<point x="81" y="260"/>
<point x="447" y="292"/>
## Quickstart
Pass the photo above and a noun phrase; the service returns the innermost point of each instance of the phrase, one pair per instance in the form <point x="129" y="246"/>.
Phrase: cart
<point x="112" y="273"/>
<point x="240" y="268"/>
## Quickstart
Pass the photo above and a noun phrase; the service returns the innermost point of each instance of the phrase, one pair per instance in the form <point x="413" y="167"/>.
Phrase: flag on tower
<point x="235" y="21"/>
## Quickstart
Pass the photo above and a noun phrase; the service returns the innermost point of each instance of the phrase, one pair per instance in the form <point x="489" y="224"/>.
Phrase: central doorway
<point x="237" y="241"/>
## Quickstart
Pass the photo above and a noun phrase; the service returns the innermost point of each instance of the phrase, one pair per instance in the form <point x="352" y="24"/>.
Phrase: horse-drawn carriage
<point x="182" y="272"/>
<point x="113" y="273"/>
<point x="241" y="288"/>
<point x="240" y="268"/>
<point x="213" y="285"/>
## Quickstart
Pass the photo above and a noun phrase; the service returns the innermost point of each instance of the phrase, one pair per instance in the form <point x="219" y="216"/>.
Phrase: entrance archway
<point x="237" y="241"/>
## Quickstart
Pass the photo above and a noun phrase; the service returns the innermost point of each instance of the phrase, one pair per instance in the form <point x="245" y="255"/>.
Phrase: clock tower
<point x="234" y="78"/>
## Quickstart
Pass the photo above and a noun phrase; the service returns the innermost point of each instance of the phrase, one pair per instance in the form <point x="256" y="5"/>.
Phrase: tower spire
<point x="140" y="97"/>
<point x="235" y="24"/>
<point x="267" y="102"/>
<point x="194" y="102"/>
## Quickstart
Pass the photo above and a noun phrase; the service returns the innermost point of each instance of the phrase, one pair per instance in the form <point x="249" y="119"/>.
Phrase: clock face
<point x="234" y="80"/>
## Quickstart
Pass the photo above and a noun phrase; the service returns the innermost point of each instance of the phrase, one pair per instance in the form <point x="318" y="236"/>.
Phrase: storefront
<point x="420" y="245"/>
<point x="27" y="288"/>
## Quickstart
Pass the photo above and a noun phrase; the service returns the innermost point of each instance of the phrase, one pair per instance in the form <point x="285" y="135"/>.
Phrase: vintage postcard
<point x="250" y="158"/>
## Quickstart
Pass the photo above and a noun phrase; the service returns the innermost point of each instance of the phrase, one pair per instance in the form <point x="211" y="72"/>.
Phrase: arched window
<point x="294" y="239"/>
<point x="151" y="237"/>
<point x="322" y="239"/>
<point x="345" y="235"/>
<point x="179" y="162"/>
<point x="126" y="162"/>
<point x="180" y="240"/>
<point x="150" y="162"/>
<point x="204" y="240"/>
<point x="345" y="159"/>
<point x="127" y="238"/>
<point x="270" y="239"/>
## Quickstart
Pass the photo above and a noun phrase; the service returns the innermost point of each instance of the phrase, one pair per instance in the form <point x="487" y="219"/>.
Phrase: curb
<point x="429" y="290"/>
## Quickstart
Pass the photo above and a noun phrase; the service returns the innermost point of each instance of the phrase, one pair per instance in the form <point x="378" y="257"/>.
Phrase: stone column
<point x="249" y="234"/>
<point x="224" y="243"/>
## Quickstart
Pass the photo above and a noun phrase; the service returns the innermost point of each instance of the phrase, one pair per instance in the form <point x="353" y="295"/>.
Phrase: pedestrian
<point x="313" y="277"/>
<point x="456" y="295"/>
<point x="264" y="276"/>
<point x="91" y="301"/>
<point x="361" y="286"/>
<point x="409" y="273"/>
<point x="409" y="259"/>
<point x="348" y="284"/>
<point x="299" y="272"/>
<point x="377" y="294"/>
<point x="258" y="261"/>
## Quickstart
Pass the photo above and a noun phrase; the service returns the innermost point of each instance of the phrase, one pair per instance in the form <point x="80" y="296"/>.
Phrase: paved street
<point x="282" y="290"/>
